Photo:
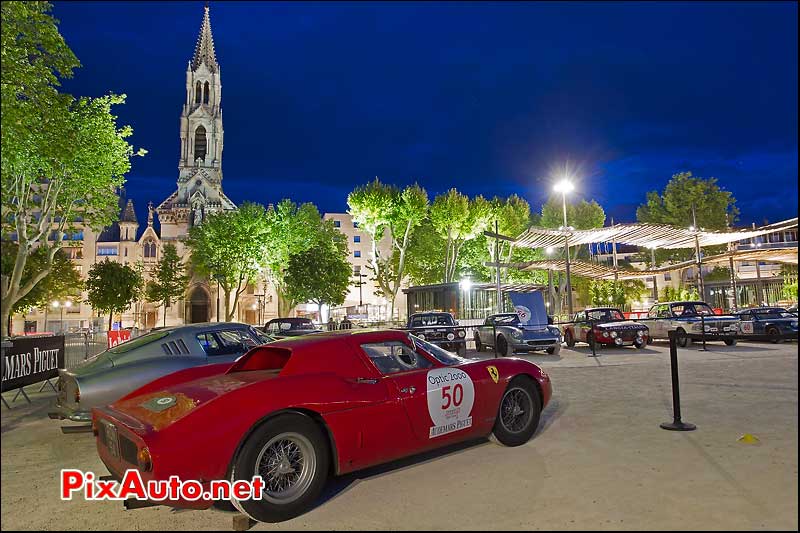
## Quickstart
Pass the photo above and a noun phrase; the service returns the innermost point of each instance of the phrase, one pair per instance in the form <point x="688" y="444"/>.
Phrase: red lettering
<point x="71" y="480"/>
<point x="105" y="490"/>
<point x="132" y="485"/>
<point x="446" y="396"/>
<point x="258" y="487"/>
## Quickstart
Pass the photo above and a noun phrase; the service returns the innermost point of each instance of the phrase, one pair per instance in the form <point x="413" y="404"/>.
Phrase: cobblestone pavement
<point x="598" y="461"/>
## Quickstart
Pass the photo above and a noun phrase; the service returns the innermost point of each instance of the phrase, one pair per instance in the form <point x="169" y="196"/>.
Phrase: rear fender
<point x="181" y="376"/>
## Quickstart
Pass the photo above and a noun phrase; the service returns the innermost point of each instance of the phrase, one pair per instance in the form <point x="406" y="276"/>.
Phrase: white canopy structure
<point x="659" y="236"/>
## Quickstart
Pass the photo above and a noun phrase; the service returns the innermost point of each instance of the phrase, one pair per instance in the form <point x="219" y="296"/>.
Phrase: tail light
<point x="144" y="460"/>
<point x="77" y="393"/>
<point x="95" y="431"/>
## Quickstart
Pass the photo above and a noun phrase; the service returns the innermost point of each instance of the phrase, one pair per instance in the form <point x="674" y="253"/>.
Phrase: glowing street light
<point x="565" y="186"/>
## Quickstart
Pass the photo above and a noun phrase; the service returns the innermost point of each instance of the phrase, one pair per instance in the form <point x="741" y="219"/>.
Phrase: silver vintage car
<point x="123" y="368"/>
<point x="512" y="336"/>
<point x="689" y="319"/>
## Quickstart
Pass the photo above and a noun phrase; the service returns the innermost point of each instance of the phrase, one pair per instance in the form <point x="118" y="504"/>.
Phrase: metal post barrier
<point x="593" y="344"/>
<point x="703" y="334"/>
<point x="494" y="339"/>
<point x="676" y="424"/>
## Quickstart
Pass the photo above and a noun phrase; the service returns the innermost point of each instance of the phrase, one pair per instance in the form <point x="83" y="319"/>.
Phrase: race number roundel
<point x="523" y="313"/>
<point x="451" y="395"/>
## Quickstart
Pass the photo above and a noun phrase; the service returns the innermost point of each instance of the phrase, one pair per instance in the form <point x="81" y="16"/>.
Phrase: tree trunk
<point x="110" y="318"/>
<point x="165" y="314"/>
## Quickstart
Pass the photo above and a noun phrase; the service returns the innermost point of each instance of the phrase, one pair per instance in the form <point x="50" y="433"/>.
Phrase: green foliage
<point x="616" y="293"/>
<point x="62" y="281"/>
<point x="718" y="274"/>
<point x="580" y="215"/>
<point x="230" y="247"/>
<point x="378" y="207"/>
<point x="458" y="219"/>
<point x="62" y="158"/>
<point x="170" y="279"/>
<point x="322" y="273"/>
<point x="671" y="294"/>
<point x="714" y="209"/>
<point x="290" y="229"/>
<point x="113" y="287"/>
<point x="789" y="289"/>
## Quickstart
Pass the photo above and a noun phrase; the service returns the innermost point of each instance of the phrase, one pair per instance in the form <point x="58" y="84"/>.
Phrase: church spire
<point x="204" y="49"/>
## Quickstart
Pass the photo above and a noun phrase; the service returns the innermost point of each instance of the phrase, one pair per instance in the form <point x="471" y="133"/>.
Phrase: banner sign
<point x="31" y="360"/>
<point x="530" y="308"/>
<point x="118" y="337"/>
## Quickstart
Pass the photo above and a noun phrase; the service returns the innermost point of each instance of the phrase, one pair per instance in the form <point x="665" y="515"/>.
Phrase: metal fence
<point x="78" y="347"/>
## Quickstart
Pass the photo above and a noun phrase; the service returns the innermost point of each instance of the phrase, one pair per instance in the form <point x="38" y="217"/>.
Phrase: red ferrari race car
<point x="605" y="326"/>
<point x="298" y="410"/>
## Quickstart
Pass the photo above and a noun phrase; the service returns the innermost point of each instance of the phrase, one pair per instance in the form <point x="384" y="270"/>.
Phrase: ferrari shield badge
<point x="493" y="373"/>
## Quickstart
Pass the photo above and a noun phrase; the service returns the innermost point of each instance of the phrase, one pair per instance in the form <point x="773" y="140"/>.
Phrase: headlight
<point x="462" y="333"/>
<point x="421" y="336"/>
<point x="707" y="328"/>
<point x="450" y="336"/>
<point x="640" y="333"/>
<point x="794" y="324"/>
<point x="516" y="334"/>
<point x="697" y="327"/>
<point x="605" y="334"/>
<point x="613" y="334"/>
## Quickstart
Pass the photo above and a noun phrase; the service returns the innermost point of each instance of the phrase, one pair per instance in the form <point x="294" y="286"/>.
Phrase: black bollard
<point x="593" y="344"/>
<point x="676" y="424"/>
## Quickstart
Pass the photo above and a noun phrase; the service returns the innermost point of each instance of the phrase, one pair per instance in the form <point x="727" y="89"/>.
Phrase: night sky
<point x="490" y="98"/>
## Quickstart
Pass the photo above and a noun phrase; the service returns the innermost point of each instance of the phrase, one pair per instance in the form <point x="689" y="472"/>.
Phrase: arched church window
<point x="149" y="248"/>
<point x="205" y="94"/>
<point x="197" y="93"/>
<point x="200" y="143"/>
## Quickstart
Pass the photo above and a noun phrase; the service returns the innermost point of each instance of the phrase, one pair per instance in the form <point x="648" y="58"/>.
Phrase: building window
<point x="355" y="224"/>
<point x="107" y="250"/>
<point x="200" y="143"/>
<point x="357" y="270"/>
<point x="357" y="239"/>
<point x="205" y="93"/>
<point x="337" y="224"/>
<point x="357" y="253"/>
<point x="149" y="248"/>
<point x="197" y="93"/>
<point x="667" y="276"/>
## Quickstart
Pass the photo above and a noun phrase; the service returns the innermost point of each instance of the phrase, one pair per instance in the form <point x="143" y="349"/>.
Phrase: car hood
<point x="621" y="324"/>
<point x="165" y="407"/>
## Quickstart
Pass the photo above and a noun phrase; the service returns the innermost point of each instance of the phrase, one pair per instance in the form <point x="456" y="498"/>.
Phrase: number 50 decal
<point x="456" y="398"/>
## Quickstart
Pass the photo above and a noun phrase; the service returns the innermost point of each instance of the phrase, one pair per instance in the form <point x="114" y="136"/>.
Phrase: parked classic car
<point x="290" y="327"/>
<point x="117" y="371"/>
<point x="688" y="318"/>
<point x="440" y="329"/>
<point x="297" y="410"/>
<point x="512" y="336"/>
<point x="775" y="322"/>
<point x="604" y="325"/>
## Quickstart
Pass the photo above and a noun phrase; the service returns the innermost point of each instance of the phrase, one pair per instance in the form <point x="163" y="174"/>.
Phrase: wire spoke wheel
<point x="516" y="410"/>
<point x="287" y="464"/>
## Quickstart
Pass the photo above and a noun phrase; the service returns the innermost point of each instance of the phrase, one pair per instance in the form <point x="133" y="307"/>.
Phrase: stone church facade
<point x="198" y="194"/>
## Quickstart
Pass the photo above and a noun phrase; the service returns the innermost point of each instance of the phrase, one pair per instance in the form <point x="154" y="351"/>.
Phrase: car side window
<point x="394" y="356"/>
<point x="209" y="343"/>
<point x="489" y="321"/>
<point x="663" y="311"/>
<point x="232" y="342"/>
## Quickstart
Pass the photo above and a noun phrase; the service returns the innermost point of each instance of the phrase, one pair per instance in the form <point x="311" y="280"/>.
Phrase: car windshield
<point x="137" y="342"/>
<point x="605" y="315"/>
<point x="293" y="323"/>
<point x="441" y="355"/>
<point x="437" y="319"/>
<point x="692" y="309"/>
<point x="507" y="319"/>
<point x="767" y="314"/>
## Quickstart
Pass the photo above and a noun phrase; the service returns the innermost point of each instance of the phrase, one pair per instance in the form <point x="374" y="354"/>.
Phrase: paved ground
<point x="599" y="460"/>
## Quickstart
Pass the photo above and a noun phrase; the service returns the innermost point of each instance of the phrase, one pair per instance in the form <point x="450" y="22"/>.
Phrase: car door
<point x="748" y="322"/>
<point x="486" y="331"/>
<point x="439" y="400"/>
<point x="581" y="326"/>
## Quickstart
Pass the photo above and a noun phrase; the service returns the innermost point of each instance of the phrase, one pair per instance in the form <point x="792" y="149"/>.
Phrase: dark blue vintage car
<point x="774" y="322"/>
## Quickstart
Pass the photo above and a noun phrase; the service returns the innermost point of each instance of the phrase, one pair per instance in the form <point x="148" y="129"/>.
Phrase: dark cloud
<point x="492" y="98"/>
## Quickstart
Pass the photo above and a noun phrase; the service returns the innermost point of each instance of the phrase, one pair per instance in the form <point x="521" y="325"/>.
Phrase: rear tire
<point x="518" y="413"/>
<point x="640" y="345"/>
<point x="776" y="338"/>
<point x="569" y="339"/>
<point x="304" y="468"/>
<point x="730" y="341"/>
<point x="554" y="350"/>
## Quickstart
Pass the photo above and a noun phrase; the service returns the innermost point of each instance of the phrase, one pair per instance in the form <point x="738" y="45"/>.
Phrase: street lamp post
<point x="653" y="266"/>
<point x="58" y="305"/>
<point x="360" y="276"/>
<point x="565" y="186"/>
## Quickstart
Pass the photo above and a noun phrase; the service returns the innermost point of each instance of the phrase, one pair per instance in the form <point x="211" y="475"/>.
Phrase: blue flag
<point x="530" y="308"/>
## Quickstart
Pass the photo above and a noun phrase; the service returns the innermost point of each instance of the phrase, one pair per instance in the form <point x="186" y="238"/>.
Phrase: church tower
<point x="199" y="190"/>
